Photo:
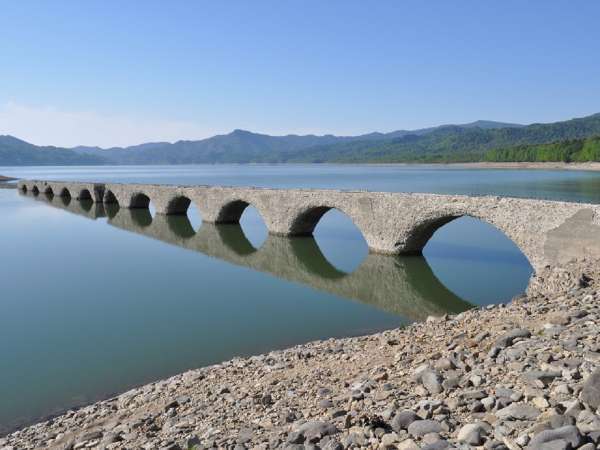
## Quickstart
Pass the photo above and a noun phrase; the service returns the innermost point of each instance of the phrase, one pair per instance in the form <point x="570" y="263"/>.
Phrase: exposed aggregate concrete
<point x="522" y="375"/>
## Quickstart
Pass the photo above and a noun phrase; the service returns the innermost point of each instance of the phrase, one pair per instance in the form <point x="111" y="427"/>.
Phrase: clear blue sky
<point x="121" y="72"/>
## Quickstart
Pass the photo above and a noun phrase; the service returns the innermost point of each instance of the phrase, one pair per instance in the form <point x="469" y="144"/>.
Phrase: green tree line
<point x="575" y="150"/>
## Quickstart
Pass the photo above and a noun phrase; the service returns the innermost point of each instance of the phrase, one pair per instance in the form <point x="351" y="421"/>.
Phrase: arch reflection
<point x="402" y="286"/>
<point x="405" y="286"/>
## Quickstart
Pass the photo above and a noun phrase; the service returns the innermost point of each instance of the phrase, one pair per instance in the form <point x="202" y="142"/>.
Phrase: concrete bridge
<point x="547" y="232"/>
<point x="403" y="286"/>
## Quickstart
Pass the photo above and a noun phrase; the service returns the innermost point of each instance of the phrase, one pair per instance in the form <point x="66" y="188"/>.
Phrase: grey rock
<point x="432" y="381"/>
<point x="357" y="439"/>
<point x="559" y="421"/>
<point x="317" y="428"/>
<point x="295" y="437"/>
<point x="473" y="433"/>
<point x="474" y="395"/>
<point x="438" y="445"/>
<point x="565" y="437"/>
<point x="587" y="421"/>
<point x="544" y="377"/>
<point x="403" y="419"/>
<point x="408" y="444"/>
<point x="422" y="427"/>
<point x="325" y="403"/>
<point x="90" y="436"/>
<point x="591" y="390"/>
<point x="244" y="436"/>
<point x="518" y="411"/>
<point x="389" y="439"/>
<point x="507" y="339"/>
<point x="444" y="364"/>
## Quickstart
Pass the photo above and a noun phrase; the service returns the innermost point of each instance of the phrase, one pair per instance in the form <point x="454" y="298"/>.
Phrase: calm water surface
<point x="98" y="300"/>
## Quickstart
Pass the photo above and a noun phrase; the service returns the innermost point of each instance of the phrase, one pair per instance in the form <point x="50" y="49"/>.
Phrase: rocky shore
<point x="522" y="375"/>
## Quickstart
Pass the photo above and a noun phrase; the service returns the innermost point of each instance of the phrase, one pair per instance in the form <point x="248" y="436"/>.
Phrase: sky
<point x="114" y="73"/>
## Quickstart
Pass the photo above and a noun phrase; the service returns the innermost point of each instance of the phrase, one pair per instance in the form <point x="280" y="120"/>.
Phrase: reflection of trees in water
<point x="405" y="286"/>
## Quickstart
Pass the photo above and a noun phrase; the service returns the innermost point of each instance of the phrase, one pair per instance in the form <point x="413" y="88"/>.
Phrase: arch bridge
<point x="547" y="232"/>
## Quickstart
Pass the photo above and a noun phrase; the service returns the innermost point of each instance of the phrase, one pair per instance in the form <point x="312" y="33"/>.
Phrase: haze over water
<point x="96" y="301"/>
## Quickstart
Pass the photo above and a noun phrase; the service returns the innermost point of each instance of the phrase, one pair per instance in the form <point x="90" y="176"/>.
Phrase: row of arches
<point x="335" y="233"/>
<point x="83" y="194"/>
<point x="232" y="211"/>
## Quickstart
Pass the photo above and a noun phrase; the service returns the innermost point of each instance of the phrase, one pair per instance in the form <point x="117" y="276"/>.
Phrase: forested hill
<point x="576" y="150"/>
<point x="476" y="141"/>
<point x="451" y="143"/>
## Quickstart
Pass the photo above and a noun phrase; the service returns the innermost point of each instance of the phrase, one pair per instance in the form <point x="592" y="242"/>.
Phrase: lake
<point x="97" y="300"/>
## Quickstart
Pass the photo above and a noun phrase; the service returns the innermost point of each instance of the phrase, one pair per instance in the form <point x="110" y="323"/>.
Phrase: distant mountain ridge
<point x="16" y="152"/>
<point x="464" y="142"/>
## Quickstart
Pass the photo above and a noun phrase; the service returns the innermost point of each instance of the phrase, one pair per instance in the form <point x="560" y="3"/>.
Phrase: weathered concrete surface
<point x="391" y="223"/>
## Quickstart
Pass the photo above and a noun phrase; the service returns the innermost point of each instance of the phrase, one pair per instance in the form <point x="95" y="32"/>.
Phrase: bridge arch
<point x="139" y="200"/>
<point x="421" y="232"/>
<point x="84" y="194"/>
<point x="48" y="191"/>
<point x="231" y="212"/>
<point x="35" y="190"/>
<point x="110" y="198"/>
<point x="340" y="239"/>
<point x="252" y="222"/>
<point x="64" y="192"/>
<point x="305" y="222"/>
<point x="178" y="205"/>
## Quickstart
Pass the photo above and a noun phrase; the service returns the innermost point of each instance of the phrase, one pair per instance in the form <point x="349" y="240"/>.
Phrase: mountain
<point x="490" y="125"/>
<point x="15" y="152"/>
<point x="242" y="146"/>
<point x="452" y="143"/>
<point x="445" y="143"/>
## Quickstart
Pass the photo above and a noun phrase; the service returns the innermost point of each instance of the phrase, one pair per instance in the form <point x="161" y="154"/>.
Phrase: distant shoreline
<point x="583" y="166"/>
<point x="586" y="166"/>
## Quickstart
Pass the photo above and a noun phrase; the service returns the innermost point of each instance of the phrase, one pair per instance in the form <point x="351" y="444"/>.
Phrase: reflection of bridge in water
<point x="405" y="286"/>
